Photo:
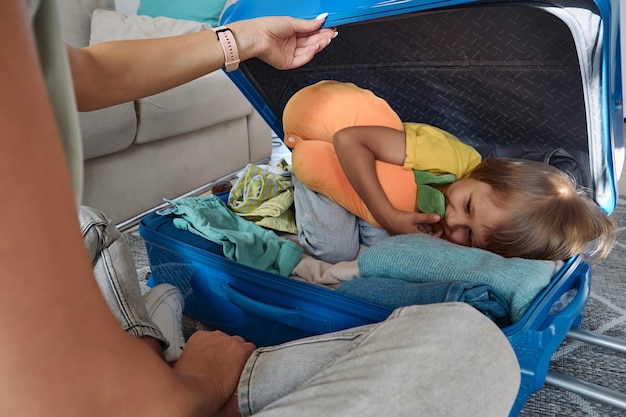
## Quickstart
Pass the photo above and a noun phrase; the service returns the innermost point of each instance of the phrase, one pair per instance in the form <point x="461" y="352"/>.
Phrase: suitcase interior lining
<point x="505" y="79"/>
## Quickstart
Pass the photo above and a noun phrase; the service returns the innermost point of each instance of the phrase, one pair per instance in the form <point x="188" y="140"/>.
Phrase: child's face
<point x="470" y="211"/>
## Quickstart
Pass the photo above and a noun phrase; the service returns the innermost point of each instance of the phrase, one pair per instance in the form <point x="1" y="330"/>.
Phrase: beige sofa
<point x="166" y="145"/>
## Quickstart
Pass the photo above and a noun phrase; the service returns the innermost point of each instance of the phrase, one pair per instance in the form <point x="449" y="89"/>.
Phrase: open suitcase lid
<point x="508" y="77"/>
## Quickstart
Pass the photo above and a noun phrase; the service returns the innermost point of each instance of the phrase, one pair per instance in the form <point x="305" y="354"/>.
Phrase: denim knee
<point x="97" y="231"/>
<point x="115" y="273"/>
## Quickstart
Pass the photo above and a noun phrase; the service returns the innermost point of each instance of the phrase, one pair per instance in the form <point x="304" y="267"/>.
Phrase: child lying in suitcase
<point x="357" y="182"/>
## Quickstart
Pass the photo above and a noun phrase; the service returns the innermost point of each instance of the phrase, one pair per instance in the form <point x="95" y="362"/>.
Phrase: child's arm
<point x="358" y="148"/>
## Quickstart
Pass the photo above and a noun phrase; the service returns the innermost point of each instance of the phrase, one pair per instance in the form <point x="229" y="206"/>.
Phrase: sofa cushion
<point x="108" y="25"/>
<point x="75" y="16"/>
<point x="207" y="11"/>
<point x="183" y="109"/>
<point x="190" y="107"/>
<point x="108" y="130"/>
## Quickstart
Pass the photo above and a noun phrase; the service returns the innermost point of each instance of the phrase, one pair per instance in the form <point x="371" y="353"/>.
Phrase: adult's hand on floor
<point x="216" y="360"/>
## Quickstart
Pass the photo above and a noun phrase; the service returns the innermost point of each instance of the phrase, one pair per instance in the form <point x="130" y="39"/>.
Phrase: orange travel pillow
<point x="310" y="119"/>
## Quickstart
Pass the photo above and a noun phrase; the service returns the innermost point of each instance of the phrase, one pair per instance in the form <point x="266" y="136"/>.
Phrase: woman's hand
<point x="215" y="360"/>
<point x="282" y="42"/>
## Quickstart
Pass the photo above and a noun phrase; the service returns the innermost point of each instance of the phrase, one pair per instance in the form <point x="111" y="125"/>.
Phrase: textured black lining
<point x="503" y="78"/>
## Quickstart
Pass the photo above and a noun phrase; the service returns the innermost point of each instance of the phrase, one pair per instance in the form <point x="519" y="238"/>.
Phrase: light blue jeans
<point x="326" y="230"/>
<point x="115" y="272"/>
<point x="432" y="360"/>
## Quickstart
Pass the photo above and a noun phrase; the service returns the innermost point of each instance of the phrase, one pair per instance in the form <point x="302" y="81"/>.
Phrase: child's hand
<point x="403" y="222"/>
<point x="430" y="229"/>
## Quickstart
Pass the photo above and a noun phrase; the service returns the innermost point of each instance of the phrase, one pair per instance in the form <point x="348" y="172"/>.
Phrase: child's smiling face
<point x="470" y="213"/>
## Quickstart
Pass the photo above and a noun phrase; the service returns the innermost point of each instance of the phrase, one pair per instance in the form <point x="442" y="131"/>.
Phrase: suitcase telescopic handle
<point x="297" y="318"/>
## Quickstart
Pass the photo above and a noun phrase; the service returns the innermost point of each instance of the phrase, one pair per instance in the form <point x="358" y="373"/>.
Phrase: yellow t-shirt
<point x="431" y="149"/>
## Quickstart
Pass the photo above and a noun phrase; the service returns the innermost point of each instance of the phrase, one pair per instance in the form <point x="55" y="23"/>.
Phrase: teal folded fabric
<point x="423" y="258"/>
<point x="242" y="241"/>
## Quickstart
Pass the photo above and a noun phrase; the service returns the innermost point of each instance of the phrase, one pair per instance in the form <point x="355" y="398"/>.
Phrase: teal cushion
<point x="206" y="11"/>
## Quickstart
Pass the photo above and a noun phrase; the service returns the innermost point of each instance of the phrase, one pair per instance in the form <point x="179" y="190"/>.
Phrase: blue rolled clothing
<point x="242" y="241"/>
<point x="394" y="293"/>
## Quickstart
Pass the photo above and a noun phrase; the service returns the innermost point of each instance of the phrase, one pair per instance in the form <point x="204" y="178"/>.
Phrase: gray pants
<point x="326" y="230"/>
<point x="433" y="360"/>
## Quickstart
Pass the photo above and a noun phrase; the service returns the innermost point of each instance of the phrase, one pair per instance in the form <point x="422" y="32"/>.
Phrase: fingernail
<point x="322" y="16"/>
<point x="335" y="34"/>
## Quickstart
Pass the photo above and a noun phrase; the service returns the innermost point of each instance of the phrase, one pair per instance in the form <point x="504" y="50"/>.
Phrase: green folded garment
<point x="242" y="241"/>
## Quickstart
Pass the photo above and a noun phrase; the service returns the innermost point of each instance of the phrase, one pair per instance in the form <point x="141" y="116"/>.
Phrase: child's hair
<point x="548" y="218"/>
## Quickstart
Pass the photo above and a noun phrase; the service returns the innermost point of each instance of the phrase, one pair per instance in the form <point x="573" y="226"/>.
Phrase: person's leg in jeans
<point x="433" y="361"/>
<point x="115" y="273"/>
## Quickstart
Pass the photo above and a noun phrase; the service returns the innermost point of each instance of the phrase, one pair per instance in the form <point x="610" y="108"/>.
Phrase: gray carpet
<point x="605" y="313"/>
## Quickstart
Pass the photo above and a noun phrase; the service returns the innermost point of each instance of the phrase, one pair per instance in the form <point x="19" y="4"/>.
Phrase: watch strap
<point x="229" y="46"/>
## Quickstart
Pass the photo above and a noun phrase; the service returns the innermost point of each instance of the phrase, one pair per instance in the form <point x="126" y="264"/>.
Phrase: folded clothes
<point x="423" y="258"/>
<point x="256" y="184"/>
<point x="264" y="195"/>
<point x="394" y="293"/>
<point x="242" y="241"/>
<point x="275" y="213"/>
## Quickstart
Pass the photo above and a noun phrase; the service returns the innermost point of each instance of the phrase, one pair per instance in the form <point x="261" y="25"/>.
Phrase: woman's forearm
<point x="115" y="72"/>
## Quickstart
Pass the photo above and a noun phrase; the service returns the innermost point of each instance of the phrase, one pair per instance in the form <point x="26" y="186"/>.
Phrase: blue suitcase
<point x="507" y="77"/>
